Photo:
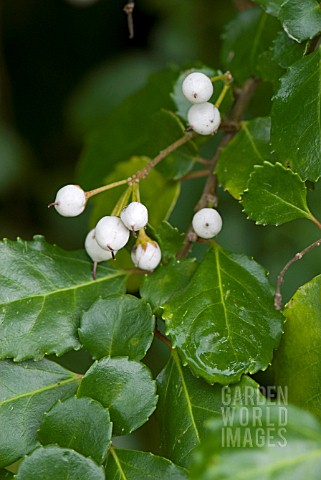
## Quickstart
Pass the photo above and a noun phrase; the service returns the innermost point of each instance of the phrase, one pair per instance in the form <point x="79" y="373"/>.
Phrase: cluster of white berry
<point x="111" y="232"/>
<point x="203" y="117"/>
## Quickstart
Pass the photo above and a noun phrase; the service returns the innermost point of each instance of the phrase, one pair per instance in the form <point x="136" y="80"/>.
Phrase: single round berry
<point x="204" y="118"/>
<point x="146" y="257"/>
<point x="111" y="233"/>
<point x="70" y="201"/>
<point x="207" y="223"/>
<point x="96" y="253"/>
<point x="134" y="216"/>
<point x="197" y="87"/>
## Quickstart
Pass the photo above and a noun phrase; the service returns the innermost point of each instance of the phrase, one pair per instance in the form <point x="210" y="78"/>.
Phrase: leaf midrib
<point x="65" y="289"/>
<point x="75" y="378"/>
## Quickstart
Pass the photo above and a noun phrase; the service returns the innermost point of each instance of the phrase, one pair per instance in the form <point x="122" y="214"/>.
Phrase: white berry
<point x="111" y="233"/>
<point x="134" y="216"/>
<point x="70" y="201"/>
<point x="197" y="87"/>
<point x="96" y="253"/>
<point x="204" y="118"/>
<point x="146" y="257"/>
<point x="207" y="223"/>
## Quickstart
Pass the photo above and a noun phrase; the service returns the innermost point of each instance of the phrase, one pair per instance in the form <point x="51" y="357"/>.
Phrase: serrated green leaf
<point x="296" y="114"/>
<point x="251" y="146"/>
<point x="301" y="19"/>
<point x="286" y="51"/>
<point x="181" y="102"/>
<point x="43" y="290"/>
<point x="81" y="424"/>
<point x="155" y="186"/>
<point x="186" y="402"/>
<point x="169" y="239"/>
<point x="135" y="465"/>
<point x="275" y="195"/>
<point x="126" y="130"/>
<point x="270" y="6"/>
<point x="245" y="39"/>
<point x="167" y="280"/>
<point x="224" y="323"/>
<point x="165" y="128"/>
<point x="120" y="325"/>
<point x="27" y="391"/>
<point x="53" y="463"/>
<point x="298" y="361"/>
<point x="123" y="386"/>
<point x="285" y="444"/>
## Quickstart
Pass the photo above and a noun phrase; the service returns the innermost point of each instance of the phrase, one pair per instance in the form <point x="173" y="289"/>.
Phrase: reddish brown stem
<point x="297" y="256"/>
<point x="162" y="337"/>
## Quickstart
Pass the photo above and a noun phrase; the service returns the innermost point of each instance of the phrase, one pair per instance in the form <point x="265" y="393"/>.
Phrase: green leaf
<point x="167" y="280"/>
<point x="245" y="39"/>
<point x="186" y="402"/>
<point x="53" y="463"/>
<point x="297" y="363"/>
<point x="296" y="114"/>
<point x="27" y="391"/>
<point x="251" y="146"/>
<point x="181" y="102"/>
<point x="301" y="19"/>
<point x="286" y="51"/>
<point x="125" y="387"/>
<point x="165" y="129"/>
<point x="169" y="238"/>
<point x="81" y="424"/>
<point x="120" y="325"/>
<point x="155" y="186"/>
<point x="275" y="195"/>
<point x="268" y="69"/>
<point x="43" y="290"/>
<point x="284" y="444"/>
<point x="223" y="322"/>
<point x="135" y="465"/>
<point x="126" y="130"/>
<point x="270" y="6"/>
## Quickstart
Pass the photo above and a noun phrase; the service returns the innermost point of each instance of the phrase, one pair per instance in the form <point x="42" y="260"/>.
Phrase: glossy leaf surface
<point x="186" y="402"/>
<point x="125" y="387"/>
<point x="223" y="322"/>
<point x="43" y="290"/>
<point x="51" y="463"/>
<point x="275" y="195"/>
<point x="248" y="148"/>
<point x="120" y="325"/>
<point x="81" y="424"/>
<point x="27" y="390"/>
<point x="298" y="361"/>
<point x="135" y="465"/>
<point x="296" y="124"/>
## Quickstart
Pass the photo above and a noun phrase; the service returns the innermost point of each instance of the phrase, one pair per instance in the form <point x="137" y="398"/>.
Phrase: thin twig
<point x="208" y="198"/>
<point x="162" y="337"/>
<point x="195" y="174"/>
<point x="128" y="9"/>
<point x="144" y="172"/>
<point x="297" y="256"/>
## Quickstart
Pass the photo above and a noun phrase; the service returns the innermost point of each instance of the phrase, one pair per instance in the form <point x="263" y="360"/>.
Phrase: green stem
<point x="91" y="193"/>
<point x="122" y="202"/>
<point x="222" y="95"/>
